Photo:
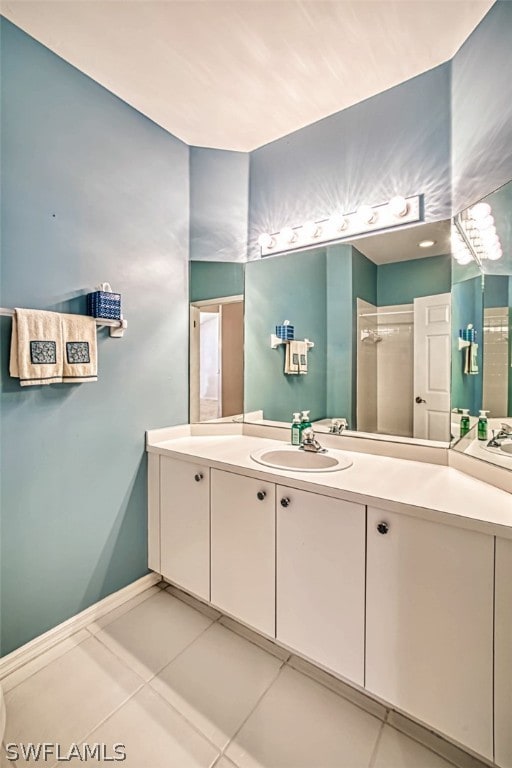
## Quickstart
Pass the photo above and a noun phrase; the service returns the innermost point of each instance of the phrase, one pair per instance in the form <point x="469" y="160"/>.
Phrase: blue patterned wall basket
<point x="105" y="304"/>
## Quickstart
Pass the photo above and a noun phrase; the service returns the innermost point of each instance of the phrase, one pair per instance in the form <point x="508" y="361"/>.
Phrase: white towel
<point x="36" y="347"/>
<point x="296" y="358"/>
<point x="80" y="361"/>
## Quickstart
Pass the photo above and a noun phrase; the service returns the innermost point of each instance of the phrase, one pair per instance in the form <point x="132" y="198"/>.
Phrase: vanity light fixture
<point x="341" y="226"/>
<point x="337" y="222"/>
<point x="288" y="235"/>
<point x="426" y="243"/>
<point x="311" y="229"/>
<point x="398" y="206"/>
<point x="367" y="214"/>
<point x="266" y="241"/>
<point x="477" y="230"/>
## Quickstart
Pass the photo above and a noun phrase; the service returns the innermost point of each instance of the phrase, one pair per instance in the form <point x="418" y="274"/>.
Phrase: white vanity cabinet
<point x="185" y="525"/>
<point x="429" y="624"/>
<point x="321" y="579"/>
<point x="243" y="549"/>
<point x="503" y="654"/>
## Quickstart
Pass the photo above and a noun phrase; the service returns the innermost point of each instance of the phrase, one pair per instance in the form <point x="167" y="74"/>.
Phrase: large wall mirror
<point x="482" y="298"/>
<point x="378" y="313"/>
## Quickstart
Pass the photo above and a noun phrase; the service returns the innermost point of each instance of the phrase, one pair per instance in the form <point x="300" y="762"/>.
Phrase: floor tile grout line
<point x="373" y="756"/>
<point x="48" y="650"/>
<point x="337" y="693"/>
<point x="256" y="705"/>
<point x="112" y="713"/>
<point x="434" y="750"/>
<point x="119" y="607"/>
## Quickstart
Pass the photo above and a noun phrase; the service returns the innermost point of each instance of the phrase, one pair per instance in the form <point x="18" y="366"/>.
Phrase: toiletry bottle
<point x="296" y="429"/>
<point x="305" y="423"/>
<point x="482" y="425"/>
<point x="464" y="422"/>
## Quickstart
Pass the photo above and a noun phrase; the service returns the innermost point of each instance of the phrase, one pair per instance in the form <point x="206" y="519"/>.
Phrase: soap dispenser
<point x="305" y="421"/>
<point x="482" y="425"/>
<point x="296" y="429"/>
<point x="464" y="422"/>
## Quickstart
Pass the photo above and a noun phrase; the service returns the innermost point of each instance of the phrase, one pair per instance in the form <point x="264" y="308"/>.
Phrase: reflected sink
<point x="294" y="460"/>
<point x="506" y="447"/>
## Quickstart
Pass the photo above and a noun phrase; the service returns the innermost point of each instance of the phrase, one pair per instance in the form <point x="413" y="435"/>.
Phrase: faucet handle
<point x="308" y="435"/>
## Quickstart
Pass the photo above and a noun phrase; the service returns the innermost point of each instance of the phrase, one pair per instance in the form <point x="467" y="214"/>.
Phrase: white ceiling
<point x="403" y="244"/>
<point x="236" y="74"/>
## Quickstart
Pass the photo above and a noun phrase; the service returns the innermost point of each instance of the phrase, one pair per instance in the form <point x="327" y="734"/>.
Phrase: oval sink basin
<point x="295" y="460"/>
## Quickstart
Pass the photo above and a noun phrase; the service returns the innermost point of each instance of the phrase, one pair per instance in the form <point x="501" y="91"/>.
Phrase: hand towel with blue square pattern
<point x="36" y="347"/>
<point x="80" y="360"/>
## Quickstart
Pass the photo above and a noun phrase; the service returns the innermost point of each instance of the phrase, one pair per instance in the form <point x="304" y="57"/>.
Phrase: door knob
<point x="382" y="527"/>
<point x="420" y="400"/>
<point x="261" y="495"/>
<point x="285" y="502"/>
<point x="198" y="477"/>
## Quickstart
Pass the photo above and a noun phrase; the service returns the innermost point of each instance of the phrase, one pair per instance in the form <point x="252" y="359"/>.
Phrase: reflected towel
<point x="80" y="360"/>
<point x="36" y="347"/>
<point x="473" y="358"/>
<point x="296" y="358"/>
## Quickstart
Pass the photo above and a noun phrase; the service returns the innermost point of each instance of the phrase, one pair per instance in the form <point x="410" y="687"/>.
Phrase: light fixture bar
<point x="340" y="227"/>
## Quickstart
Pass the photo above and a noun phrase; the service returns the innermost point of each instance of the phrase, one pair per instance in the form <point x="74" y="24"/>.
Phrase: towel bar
<point x="275" y="341"/>
<point x="117" y="327"/>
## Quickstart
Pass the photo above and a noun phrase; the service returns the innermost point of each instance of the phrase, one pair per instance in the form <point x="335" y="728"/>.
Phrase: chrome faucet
<point x="505" y="431"/>
<point x="310" y="443"/>
<point x="337" y="426"/>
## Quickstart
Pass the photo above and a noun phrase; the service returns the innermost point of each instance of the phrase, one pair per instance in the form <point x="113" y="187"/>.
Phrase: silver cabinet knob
<point x="285" y="501"/>
<point x="383" y="527"/>
<point x="198" y="477"/>
<point x="261" y="495"/>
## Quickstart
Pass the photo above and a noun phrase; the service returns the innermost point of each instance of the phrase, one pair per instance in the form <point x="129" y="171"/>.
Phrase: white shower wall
<point x="496" y="362"/>
<point x="366" y="404"/>
<point x="385" y="369"/>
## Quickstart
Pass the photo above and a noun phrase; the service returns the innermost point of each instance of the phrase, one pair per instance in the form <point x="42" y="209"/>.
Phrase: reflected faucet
<point x="337" y="426"/>
<point x="310" y="443"/>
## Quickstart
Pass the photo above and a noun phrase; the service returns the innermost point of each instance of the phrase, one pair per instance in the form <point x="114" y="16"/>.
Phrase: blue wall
<point x="290" y="287"/>
<point x="482" y="108"/>
<point x="467" y="307"/>
<point x="219" y="202"/>
<point x="397" y="142"/>
<point x="403" y="281"/>
<point x="214" y="279"/>
<point x="91" y="191"/>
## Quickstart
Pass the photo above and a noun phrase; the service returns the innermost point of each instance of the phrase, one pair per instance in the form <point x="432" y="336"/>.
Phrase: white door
<point x="432" y="355"/>
<point x="429" y="624"/>
<point x="243" y="549"/>
<point x="185" y="525"/>
<point x="194" y="364"/>
<point x="503" y="654"/>
<point x="321" y="579"/>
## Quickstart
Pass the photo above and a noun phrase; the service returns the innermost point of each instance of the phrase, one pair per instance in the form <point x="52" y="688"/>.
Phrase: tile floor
<point x="180" y="687"/>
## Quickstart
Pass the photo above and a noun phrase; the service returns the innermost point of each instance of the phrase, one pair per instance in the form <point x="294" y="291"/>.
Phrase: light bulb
<point x="288" y="235"/>
<point x="398" y="206"/>
<point x="495" y="253"/>
<point x="265" y="240"/>
<point x="466" y="259"/>
<point x="366" y="214"/>
<point x="486" y="223"/>
<point x="311" y="229"/>
<point x="338" y="222"/>
<point x="480" y="210"/>
<point x="485" y="234"/>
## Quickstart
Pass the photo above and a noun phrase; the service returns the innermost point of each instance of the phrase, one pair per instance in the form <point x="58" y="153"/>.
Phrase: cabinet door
<point x="243" y="549"/>
<point x="321" y="579"/>
<point x="429" y="624"/>
<point x="185" y="525"/>
<point x="503" y="654"/>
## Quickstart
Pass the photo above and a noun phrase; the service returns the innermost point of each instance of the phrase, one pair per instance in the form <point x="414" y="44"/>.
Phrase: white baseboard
<point x="16" y="659"/>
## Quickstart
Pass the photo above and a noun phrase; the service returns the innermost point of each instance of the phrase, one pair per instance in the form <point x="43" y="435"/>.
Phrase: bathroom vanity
<point x="394" y="575"/>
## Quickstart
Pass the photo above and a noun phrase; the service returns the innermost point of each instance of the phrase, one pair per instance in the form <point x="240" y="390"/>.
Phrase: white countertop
<point x="437" y="492"/>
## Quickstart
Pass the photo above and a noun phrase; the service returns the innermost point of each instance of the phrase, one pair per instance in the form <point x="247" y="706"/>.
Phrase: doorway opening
<point x="216" y="358"/>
